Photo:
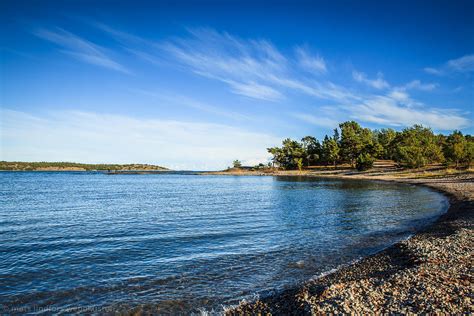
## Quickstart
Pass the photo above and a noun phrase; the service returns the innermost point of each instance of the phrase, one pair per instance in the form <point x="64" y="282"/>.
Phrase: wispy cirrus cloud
<point x="418" y="85"/>
<point x="258" y="70"/>
<point x="80" y="48"/>
<point x="120" y="36"/>
<point x="401" y="94"/>
<point x="464" y="64"/>
<point x="254" y="68"/>
<point x="240" y="64"/>
<point x="311" y="63"/>
<point x="396" y="109"/>
<point x="255" y="90"/>
<point x="433" y="71"/>
<point x="378" y="83"/>
<point x="224" y="56"/>
<point x="386" y="110"/>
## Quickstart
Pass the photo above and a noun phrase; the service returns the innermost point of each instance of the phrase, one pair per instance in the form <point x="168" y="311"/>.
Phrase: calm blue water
<point x="181" y="243"/>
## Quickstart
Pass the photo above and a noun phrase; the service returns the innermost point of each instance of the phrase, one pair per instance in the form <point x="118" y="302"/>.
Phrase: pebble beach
<point x="431" y="272"/>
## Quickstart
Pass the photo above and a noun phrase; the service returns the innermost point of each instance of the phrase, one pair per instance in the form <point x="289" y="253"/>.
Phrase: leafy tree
<point x="413" y="147"/>
<point x="355" y="140"/>
<point x="290" y="155"/>
<point x="278" y="156"/>
<point x="294" y="153"/>
<point x="456" y="146"/>
<point x="364" y="161"/>
<point x="385" y="138"/>
<point x="417" y="146"/>
<point x="469" y="153"/>
<point x="312" y="148"/>
<point x="237" y="164"/>
<point x="330" y="150"/>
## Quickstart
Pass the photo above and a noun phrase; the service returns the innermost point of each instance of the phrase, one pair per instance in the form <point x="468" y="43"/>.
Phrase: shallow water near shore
<point x="187" y="243"/>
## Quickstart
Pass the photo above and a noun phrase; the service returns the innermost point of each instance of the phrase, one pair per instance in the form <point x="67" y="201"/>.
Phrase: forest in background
<point x="353" y="144"/>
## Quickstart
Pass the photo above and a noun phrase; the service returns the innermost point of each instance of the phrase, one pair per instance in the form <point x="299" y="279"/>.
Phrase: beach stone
<point x="428" y="273"/>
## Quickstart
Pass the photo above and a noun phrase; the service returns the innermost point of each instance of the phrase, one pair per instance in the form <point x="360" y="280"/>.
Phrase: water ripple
<point x="180" y="243"/>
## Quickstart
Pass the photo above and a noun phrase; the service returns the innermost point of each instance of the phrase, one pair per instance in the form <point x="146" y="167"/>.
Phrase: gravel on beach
<point x="428" y="273"/>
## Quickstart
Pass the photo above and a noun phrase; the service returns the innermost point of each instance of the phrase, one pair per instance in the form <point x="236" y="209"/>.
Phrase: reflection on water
<point x="182" y="242"/>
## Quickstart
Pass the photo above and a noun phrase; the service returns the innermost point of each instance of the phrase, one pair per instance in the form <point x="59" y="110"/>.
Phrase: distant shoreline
<point x="391" y="173"/>
<point x="99" y="171"/>
<point x="74" y="166"/>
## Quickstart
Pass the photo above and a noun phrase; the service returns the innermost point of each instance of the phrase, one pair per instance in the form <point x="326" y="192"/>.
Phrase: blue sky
<point x="194" y="85"/>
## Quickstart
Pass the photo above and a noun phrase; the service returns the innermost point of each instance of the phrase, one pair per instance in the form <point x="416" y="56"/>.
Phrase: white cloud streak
<point x="418" y="85"/>
<point x="395" y="109"/>
<point x="255" y="90"/>
<point x="432" y="71"/>
<point x="241" y="65"/>
<point x="313" y="64"/>
<point x="378" y="83"/>
<point x="253" y="68"/>
<point x="464" y="64"/>
<point x="258" y="70"/>
<point x="80" y="48"/>
<point x="386" y="110"/>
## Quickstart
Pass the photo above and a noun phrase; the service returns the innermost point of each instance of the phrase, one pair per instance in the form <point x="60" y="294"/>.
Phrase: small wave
<point x="298" y="264"/>
<point x="333" y="270"/>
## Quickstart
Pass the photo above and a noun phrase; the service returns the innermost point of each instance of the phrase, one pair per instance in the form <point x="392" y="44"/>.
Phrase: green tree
<point x="277" y="154"/>
<point x="290" y="155"/>
<point x="294" y="153"/>
<point x="330" y="150"/>
<point x="469" y="153"/>
<point x="299" y="163"/>
<point x="364" y="161"/>
<point x="385" y="138"/>
<point x="417" y="146"/>
<point x="237" y="164"/>
<point x="312" y="149"/>
<point x="355" y="140"/>
<point x="455" y="149"/>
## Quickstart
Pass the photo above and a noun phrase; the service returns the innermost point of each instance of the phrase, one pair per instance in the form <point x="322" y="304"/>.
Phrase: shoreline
<point x="29" y="166"/>
<point x="430" y="272"/>
<point x="85" y="170"/>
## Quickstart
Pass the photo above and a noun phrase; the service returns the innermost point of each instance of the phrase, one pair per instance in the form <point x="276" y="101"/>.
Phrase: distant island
<point x="74" y="166"/>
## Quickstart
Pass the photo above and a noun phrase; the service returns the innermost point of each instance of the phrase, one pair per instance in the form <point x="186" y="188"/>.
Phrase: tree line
<point x="413" y="147"/>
